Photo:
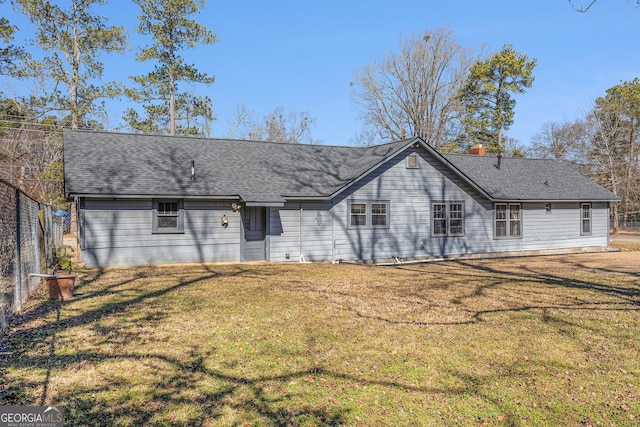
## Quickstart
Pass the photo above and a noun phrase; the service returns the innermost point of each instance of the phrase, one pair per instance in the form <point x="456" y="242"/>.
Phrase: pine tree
<point x="486" y="104"/>
<point x="73" y="40"/>
<point x="169" y="25"/>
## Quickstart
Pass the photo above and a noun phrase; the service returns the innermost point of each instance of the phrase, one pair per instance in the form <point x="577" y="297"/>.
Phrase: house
<point x="148" y="199"/>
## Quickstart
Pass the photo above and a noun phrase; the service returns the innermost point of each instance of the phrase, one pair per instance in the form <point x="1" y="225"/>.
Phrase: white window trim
<point x="447" y="218"/>
<point x="371" y="214"/>
<point x="507" y="220"/>
<point x="368" y="212"/>
<point x="180" y="226"/>
<point x="412" y="161"/>
<point x="350" y="214"/>
<point x="589" y="219"/>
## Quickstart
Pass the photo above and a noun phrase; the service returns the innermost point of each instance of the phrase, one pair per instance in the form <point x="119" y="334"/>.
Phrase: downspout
<point x="333" y="235"/>
<point x="267" y="237"/>
<point x="608" y="224"/>
<point x="301" y="258"/>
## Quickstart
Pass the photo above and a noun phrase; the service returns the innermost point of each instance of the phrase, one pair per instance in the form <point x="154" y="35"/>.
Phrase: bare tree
<point x="617" y="116"/>
<point x="239" y="121"/>
<point x="363" y="138"/>
<point x="413" y="92"/>
<point x="514" y="148"/>
<point x="563" y="141"/>
<point x="605" y="153"/>
<point x="276" y="126"/>
<point x="31" y="151"/>
<point x="584" y="9"/>
<point x="605" y="145"/>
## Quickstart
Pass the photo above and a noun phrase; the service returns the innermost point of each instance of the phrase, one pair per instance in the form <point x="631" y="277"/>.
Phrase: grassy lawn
<point x="520" y="341"/>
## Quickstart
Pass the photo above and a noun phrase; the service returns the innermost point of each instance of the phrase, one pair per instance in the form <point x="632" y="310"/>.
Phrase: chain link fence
<point x="27" y="245"/>
<point x="629" y="222"/>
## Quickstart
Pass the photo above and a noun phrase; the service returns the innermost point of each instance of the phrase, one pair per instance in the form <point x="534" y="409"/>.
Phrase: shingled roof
<point x="134" y="165"/>
<point x="119" y="164"/>
<point x="520" y="179"/>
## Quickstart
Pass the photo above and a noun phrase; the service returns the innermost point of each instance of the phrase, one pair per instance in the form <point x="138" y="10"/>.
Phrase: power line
<point x="51" y="166"/>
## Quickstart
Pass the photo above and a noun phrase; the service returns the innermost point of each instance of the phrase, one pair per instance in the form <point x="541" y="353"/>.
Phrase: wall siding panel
<point x="313" y="240"/>
<point x="411" y="192"/>
<point x="119" y="232"/>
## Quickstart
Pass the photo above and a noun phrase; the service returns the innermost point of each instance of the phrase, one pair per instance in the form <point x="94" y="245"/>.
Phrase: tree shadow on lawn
<point x="242" y="394"/>
<point x="618" y="298"/>
<point x="629" y="295"/>
<point x="34" y="348"/>
<point x="251" y="398"/>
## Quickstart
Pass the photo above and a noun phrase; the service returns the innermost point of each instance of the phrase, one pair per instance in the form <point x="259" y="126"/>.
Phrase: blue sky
<point x="303" y="55"/>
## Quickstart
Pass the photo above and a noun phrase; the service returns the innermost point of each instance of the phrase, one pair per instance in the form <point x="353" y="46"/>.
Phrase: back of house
<point x="149" y="199"/>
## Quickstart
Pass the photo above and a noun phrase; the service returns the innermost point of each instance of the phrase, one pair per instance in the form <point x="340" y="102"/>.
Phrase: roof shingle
<point x="133" y="164"/>
<point x="120" y="164"/>
<point x="520" y="179"/>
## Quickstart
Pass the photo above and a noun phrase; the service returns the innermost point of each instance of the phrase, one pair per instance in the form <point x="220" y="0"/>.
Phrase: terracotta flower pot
<point x="61" y="287"/>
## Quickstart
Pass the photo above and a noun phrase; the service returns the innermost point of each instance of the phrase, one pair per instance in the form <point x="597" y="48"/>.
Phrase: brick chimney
<point x="477" y="150"/>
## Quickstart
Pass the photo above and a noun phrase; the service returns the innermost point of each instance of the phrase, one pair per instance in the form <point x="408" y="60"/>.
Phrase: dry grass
<point x="626" y="246"/>
<point x="521" y="341"/>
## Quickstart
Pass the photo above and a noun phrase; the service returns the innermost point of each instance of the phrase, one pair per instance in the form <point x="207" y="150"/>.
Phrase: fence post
<point x="42" y="240"/>
<point x="17" y="292"/>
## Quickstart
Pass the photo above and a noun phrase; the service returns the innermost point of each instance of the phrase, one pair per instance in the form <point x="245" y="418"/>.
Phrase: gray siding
<point x="313" y="240"/>
<point x="119" y="232"/>
<point x="560" y="228"/>
<point x="410" y="193"/>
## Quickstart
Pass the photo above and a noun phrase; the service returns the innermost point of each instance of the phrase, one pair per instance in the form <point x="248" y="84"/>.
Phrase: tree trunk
<point x="75" y="70"/>
<point x="172" y="106"/>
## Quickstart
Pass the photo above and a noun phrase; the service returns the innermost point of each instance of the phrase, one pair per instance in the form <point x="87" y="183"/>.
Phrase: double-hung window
<point x="358" y="215"/>
<point x="379" y="214"/>
<point x="447" y="219"/>
<point x="585" y="218"/>
<point x="508" y="220"/>
<point x="168" y="216"/>
<point x="369" y="214"/>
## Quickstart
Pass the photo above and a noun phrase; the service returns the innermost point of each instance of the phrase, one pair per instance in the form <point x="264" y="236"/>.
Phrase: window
<point x="358" y="215"/>
<point x="501" y="220"/>
<point x="508" y="220"/>
<point x="514" y="221"/>
<point x="412" y="161"/>
<point x="456" y="214"/>
<point x="439" y="219"/>
<point x="585" y="218"/>
<point x="168" y="216"/>
<point x="447" y="219"/>
<point x="378" y="214"/>
<point x="372" y="214"/>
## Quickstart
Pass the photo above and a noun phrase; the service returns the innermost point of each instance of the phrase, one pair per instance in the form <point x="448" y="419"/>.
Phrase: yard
<point x="519" y="341"/>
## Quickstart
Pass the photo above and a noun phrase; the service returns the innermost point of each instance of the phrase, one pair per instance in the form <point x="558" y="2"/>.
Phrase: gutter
<point x="152" y="196"/>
